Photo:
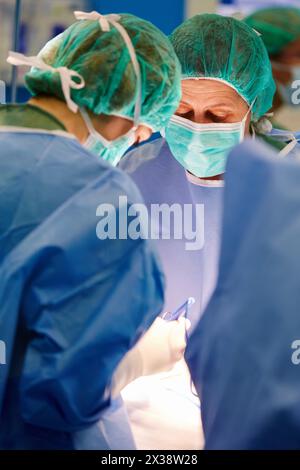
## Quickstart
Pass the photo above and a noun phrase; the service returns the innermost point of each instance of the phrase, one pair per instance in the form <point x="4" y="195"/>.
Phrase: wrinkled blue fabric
<point x="240" y="354"/>
<point x="71" y="305"/>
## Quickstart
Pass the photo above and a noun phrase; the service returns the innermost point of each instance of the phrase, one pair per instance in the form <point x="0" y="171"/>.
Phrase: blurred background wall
<point x="42" y="19"/>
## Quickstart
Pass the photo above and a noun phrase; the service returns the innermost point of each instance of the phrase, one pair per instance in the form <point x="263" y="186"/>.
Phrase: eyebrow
<point x="216" y="113"/>
<point x="229" y="105"/>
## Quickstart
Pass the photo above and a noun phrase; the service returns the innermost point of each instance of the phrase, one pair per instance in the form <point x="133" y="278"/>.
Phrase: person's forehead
<point x="192" y="87"/>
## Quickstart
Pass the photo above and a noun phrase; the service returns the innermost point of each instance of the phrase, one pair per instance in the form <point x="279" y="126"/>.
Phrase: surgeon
<point x="227" y="88"/>
<point x="75" y="304"/>
<point x="280" y="30"/>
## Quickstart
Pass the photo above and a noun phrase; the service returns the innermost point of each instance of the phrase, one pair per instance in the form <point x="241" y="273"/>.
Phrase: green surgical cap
<point x="214" y="46"/>
<point x="278" y="26"/>
<point x="103" y="60"/>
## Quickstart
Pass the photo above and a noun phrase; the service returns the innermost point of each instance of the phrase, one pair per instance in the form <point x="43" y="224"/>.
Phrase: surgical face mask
<point x="289" y="94"/>
<point x="110" y="150"/>
<point x="202" y="149"/>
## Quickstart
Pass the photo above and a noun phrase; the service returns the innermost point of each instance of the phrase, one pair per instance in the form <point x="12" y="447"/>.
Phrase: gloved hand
<point x="161" y="347"/>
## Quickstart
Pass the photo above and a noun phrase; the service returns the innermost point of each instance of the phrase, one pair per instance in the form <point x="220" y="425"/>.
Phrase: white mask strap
<point x="92" y="130"/>
<point x="98" y="136"/>
<point x="95" y="16"/>
<point x="248" y="112"/>
<point x="66" y="75"/>
<point x="88" y="121"/>
<point x="105" y="21"/>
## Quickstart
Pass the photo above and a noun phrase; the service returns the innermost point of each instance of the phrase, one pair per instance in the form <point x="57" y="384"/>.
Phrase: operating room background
<point x="38" y="21"/>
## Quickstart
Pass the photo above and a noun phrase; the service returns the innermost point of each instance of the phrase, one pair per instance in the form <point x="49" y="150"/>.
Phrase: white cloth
<point x="163" y="412"/>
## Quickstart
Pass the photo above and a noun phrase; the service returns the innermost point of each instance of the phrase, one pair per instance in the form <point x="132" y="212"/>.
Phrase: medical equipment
<point x="182" y="311"/>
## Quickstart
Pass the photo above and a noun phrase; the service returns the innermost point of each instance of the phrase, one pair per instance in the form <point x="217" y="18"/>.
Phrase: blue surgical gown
<point x="241" y="353"/>
<point x="162" y="180"/>
<point x="71" y="305"/>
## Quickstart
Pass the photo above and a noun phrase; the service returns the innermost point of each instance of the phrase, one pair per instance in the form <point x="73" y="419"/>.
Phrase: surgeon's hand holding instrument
<point x="182" y="311"/>
<point x="161" y="347"/>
